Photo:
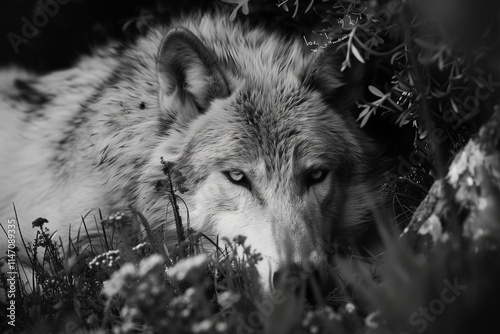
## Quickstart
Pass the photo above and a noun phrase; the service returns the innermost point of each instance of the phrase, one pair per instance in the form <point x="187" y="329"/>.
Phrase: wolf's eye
<point x="237" y="177"/>
<point x="316" y="176"/>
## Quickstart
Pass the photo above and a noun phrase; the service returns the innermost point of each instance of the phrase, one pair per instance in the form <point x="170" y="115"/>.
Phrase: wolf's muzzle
<point x="305" y="282"/>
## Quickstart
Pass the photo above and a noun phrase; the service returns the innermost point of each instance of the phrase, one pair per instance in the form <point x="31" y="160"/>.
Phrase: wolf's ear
<point x="340" y="88"/>
<point x="188" y="73"/>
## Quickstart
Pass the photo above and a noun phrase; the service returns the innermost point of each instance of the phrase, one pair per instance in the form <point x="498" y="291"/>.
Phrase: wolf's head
<point x="260" y="129"/>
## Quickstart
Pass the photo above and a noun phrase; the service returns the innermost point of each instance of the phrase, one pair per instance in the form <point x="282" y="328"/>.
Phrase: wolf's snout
<point x="289" y="277"/>
<point x="307" y="281"/>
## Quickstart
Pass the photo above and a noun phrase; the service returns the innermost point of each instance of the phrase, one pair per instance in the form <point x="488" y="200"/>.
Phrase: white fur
<point x="113" y="159"/>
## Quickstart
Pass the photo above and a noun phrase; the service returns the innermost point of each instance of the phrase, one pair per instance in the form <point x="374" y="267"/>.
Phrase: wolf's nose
<point x="289" y="278"/>
<point x="304" y="282"/>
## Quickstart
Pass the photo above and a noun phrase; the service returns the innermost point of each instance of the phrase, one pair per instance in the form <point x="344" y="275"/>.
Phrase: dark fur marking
<point x="30" y="94"/>
<point x="85" y="112"/>
<point x="164" y="125"/>
<point x="82" y="116"/>
<point x="27" y="93"/>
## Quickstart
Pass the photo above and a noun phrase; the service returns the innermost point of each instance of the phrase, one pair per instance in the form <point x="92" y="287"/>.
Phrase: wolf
<point x="259" y="126"/>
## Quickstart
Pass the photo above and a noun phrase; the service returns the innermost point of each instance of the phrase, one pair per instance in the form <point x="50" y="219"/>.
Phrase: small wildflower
<point x="190" y="292"/>
<point x="470" y="181"/>
<point x="167" y="165"/>
<point x="117" y="281"/>
<point x="40" y="240"/>
<point x="117" y="220"/>
<point x="330" y="314"/>
<point x="149" y="264"/>
<point x="139" y="246"/>
<point x="39" y="222"/>
<point x="240" y="239"/>
<point x="482" y="203"/>
<point x="350" y="308"/>
<point x="108" y="259"/>
<point x="221" y="327"/>
<point x="312" y="317"/>
<point x="228" y="299"/>
<point x="445" y="237"/>
<point x="52" y="281"/>
<point x="116" y="216"/>
<point x="185" y="301"/>
<point x="142" y="249"/>
<point x="479" y="233"/>
<point x="184" y="267"/>
<point x="201" y="327"/>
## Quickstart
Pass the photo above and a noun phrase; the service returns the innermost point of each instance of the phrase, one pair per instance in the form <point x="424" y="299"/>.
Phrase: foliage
<point x="430" y="82"/>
